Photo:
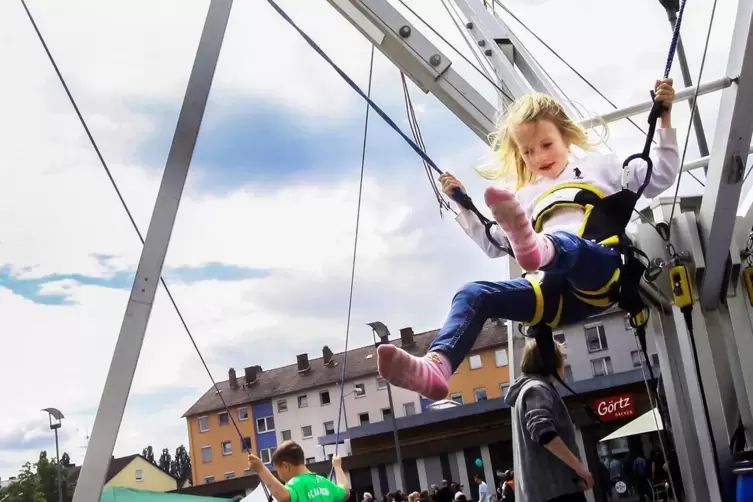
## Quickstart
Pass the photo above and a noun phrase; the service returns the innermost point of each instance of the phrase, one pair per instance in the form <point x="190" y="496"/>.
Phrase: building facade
<point x="301" y="402"/>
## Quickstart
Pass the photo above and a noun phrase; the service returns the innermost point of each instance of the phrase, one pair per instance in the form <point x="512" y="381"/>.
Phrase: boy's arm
<point x="276" y="488"/>
<point x="341" y="477"/>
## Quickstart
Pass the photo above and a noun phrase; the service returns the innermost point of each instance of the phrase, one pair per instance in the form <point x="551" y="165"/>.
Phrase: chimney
<point x="327" y="355"/>
<point x="406" y="337"/>
<point x="303" y="363"/>
<point x="252" y="373"/>
<point x="232" y="378"/>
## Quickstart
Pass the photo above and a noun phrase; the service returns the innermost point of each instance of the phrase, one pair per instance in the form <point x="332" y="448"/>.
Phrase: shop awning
<point x="648" y="422"/>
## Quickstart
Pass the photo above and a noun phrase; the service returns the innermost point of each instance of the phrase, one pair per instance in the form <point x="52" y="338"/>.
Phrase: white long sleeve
<point x="471" y="225"/>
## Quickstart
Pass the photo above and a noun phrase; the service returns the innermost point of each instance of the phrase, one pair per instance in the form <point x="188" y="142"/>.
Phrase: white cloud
<point x="128" y="66"/>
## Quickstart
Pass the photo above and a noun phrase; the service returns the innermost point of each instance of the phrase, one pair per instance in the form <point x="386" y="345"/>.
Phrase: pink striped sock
<point x="428" y="375"/>
<point x="531" y="250"/>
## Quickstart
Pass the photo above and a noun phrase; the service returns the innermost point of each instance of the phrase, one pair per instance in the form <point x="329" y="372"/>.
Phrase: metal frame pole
<point x="724" y="181"/>
<point x="393" y="420"/>
<point x="130" y="340"/>
<point x="644" y="106"/>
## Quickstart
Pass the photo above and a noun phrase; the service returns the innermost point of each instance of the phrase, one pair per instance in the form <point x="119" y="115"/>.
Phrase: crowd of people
<point x="449" y="491"/>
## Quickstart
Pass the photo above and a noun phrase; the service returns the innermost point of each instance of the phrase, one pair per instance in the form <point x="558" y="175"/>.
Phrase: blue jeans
<point x="581" y="264"/>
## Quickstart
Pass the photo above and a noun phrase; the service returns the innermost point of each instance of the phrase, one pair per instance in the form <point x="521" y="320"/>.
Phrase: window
<point x="139" y="475"/>
<point x="266" y="455"/>
<point x="363" y="418"/>
<point x="282" y="405"/>
<point x="203" y="424"/>
<point x="265" y="424"/>
<point x="655" y="360"/>
<point x="227" y="448"/>
<point x="475" y="361"/>
<point x="206" y="454"/>
<point x="243" y="414"/>
<point x="596" y="338"/>
<point x="500" y="357"/>
<point x="503" y="389"/>
<point x="569" y="373"/>
<point x="306" y="431"/>
<point x="409" y="408"/>
<point x="457" y="397"/>
<point x="480" y="394"/>
<point x="324" y="398"/>
<point x="601" y="366"/>
<point x="359" y="389"/>
<point x="286" y="435"/>
<point x="246" y="443"/>
<point x="628" y="327"/>
<point x="381" y="383"/>
<point x="224" y="418"/>
<point x="303" y="401"/>
<point x="637" y="357"/>
<point x="560" y="338"/>
<point x="310" y="460"/>
<point x="209" y="479"/>
<point x="229" y="475"/>
<point x="386" y="413"/>
<point x="329" y="427"/>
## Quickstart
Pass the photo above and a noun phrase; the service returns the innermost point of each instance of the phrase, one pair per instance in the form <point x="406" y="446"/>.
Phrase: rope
<point x="135" y="227"/>
<point x="461" y="198"/>
<point x="694" y="100"/>
<point x="413" y="122"/>
<point x="353" y="265"/>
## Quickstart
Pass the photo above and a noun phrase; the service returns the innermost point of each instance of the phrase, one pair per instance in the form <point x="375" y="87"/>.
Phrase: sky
<point x="262" y="246"/>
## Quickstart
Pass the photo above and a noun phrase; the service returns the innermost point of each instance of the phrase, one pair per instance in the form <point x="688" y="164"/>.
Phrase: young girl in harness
<point x="543" y="228"/>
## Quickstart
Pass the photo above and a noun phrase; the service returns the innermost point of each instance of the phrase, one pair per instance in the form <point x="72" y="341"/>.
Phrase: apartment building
<point x="301" y="402"/>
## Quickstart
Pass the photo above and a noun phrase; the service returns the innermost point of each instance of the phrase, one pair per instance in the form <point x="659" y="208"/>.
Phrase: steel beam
<point x="734" y="129"/>
<point x="420" y="60"/>
<point x="703" y="162"/>
<point x="505" y="51"/>
<point x="644" y="106"/>
<point x="130" y="340"/>
<point x="677" y="388"/>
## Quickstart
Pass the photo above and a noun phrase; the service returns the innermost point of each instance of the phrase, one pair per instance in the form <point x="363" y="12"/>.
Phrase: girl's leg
<point x="531" y="249"/>
<point x="585" y="264"/>
<point x="471" y="307"/>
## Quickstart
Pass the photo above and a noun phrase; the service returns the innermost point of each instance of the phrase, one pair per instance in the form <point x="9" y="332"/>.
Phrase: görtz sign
<point x="615" y="407"/>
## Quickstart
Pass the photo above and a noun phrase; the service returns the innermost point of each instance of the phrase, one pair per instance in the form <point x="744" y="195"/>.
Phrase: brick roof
<point x="286" y="380"/>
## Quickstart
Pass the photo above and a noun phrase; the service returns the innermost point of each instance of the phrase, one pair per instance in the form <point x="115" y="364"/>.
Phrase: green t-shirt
<point x="311" y="487"/>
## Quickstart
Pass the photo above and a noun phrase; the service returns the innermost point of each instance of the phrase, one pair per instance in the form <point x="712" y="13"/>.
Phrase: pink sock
<point x="428" y="375"/>
<point x="532" y="251"/>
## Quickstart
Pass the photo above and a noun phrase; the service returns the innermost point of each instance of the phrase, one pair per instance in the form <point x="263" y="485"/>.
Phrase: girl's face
<point x="542" y="148"/>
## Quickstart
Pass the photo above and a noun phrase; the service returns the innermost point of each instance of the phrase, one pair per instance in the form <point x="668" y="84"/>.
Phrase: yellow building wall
<point x="152" y="477"/>
<point x="221" y="464"/>
<point x="489" y="376"/>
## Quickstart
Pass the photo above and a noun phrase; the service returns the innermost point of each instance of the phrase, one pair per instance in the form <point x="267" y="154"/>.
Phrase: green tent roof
<point x="131" y="495"/>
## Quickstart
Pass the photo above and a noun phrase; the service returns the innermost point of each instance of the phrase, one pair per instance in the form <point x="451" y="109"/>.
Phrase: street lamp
<point x="55" y="417"/>
<point x="381" y="331"/>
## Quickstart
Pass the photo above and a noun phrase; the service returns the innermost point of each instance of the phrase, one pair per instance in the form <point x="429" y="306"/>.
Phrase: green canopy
<point x="131" y="495"/>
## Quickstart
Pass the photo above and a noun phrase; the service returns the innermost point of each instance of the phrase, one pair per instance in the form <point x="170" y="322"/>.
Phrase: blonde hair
<point x="532" y="362"/>
<point x="529" y="108"/>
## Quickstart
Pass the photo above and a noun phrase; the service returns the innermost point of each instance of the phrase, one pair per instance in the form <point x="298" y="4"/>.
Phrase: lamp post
<point x="381" y="331"/>
<point x="56" y="416"/>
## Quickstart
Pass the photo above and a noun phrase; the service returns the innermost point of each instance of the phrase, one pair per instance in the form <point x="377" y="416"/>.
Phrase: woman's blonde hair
<point x="532" y="362"/>
<point x="529" y="108"/>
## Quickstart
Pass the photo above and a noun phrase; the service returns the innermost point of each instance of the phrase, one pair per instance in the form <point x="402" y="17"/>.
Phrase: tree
<point x="38" y="482"/>
<point x="181" y="466"/>
<point x="148" y="453"/>
<point x="65" y="460"/>
<point x="164" y="460"/>
<point x="25" y="489"/>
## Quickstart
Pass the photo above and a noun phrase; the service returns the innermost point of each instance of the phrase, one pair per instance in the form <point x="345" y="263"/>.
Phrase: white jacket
<point x="602" y="171"/>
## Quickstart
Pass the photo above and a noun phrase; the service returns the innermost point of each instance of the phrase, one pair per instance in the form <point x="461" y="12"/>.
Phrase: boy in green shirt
<point x="301" y="485"/>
